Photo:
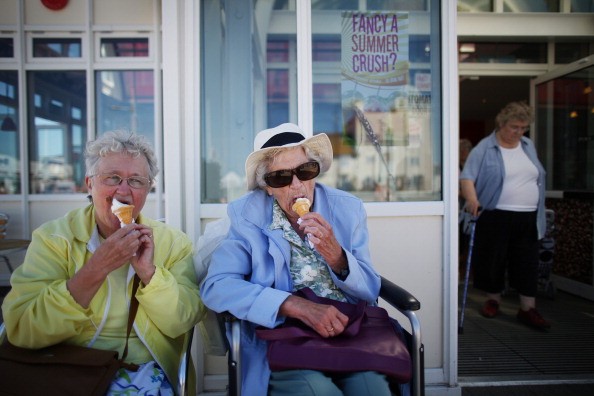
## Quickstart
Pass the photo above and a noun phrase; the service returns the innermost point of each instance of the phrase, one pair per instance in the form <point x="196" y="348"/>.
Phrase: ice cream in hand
<point x="301" y="206"/>
<point x="122" y="211"/>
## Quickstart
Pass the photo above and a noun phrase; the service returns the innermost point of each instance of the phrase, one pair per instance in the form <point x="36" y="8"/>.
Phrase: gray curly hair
<point x="120" y="142"/>
<point x="515" y="111"/>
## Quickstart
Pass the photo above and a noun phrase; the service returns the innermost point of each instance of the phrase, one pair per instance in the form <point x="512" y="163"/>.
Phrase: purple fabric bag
<point x="370" y="342"/>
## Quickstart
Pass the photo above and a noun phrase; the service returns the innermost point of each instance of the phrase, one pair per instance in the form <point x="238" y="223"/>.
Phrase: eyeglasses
<point x="138" y="182"/>
<point x="284" y="177"/>
<point x="518" y="128"/>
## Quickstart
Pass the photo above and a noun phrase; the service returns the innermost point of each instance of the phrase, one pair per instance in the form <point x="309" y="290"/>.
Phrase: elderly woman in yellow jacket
<point x="75" y="283"/>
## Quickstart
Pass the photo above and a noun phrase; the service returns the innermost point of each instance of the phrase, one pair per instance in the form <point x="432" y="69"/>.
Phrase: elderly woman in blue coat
<point x="271" y="251"/>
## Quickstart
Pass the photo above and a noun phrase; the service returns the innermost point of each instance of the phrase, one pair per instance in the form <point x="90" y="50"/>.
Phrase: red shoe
<point x="533" y="319"/>
<point x="490" y="309"/>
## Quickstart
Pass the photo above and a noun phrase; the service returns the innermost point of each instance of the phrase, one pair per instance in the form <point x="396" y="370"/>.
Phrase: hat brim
<point x="319" y="144"/>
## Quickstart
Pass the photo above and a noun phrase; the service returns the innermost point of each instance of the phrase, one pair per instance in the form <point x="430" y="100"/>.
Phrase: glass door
<point x="564" y="135"/>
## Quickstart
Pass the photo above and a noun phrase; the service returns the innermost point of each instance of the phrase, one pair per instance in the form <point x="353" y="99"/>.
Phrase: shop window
<point x="6" y="47"/>
<point x="57" y="48"/>
<point x="248" y="83"/>
<point x="124" y="47"/>
<point x="57" y="131"/>
<point x="125" y="99"/>
<point x="9" y="133"/>
<point x="376" y="103"/>
<point x="401" y="161"/>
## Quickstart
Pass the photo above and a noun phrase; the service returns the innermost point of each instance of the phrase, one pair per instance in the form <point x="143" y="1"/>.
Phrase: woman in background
<point x="505" y="181"/>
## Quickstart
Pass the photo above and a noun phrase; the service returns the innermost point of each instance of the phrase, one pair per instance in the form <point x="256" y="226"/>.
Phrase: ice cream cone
<point x="124" y="213"/>
<point x="301" y="206"/>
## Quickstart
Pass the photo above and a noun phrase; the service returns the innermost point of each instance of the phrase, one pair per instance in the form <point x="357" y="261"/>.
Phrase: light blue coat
<point x="249" y="272"/>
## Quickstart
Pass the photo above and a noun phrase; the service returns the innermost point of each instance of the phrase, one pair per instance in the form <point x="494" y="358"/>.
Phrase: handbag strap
<point x="131" y="316"/>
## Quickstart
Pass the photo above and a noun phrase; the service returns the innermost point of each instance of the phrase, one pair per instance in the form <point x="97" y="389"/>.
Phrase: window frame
<point x="80" y="62"/>
<point x="17" y="49"/>
<point x="136" y="60"/>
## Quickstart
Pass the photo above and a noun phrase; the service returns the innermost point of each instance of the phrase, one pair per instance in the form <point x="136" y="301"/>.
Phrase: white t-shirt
<point x="520" y="188"/>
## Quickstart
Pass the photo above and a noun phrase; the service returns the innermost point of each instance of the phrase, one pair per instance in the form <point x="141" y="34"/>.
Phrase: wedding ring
<point x="331" y="329"/>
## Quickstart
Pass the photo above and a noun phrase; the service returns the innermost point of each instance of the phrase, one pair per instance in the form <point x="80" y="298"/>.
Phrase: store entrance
<point x="481" y="98"/>
<point x="501" y="351"/>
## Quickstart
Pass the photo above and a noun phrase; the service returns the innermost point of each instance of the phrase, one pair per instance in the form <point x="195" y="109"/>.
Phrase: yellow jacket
<point x="39" y="310"/>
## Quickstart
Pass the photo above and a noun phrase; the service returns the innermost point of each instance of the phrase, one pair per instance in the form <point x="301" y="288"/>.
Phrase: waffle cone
<point x="301" y="207"/>
<point x="125" y="214"/>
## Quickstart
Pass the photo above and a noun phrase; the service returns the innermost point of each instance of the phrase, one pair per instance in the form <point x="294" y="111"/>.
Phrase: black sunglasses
<point x="284" y="177"/>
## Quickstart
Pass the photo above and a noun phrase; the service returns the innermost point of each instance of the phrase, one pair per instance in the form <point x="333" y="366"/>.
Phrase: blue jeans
<point x="317" y="383"/>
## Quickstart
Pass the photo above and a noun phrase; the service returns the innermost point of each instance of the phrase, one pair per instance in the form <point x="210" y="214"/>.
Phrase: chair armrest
<point x="398" y="297"/>
<point x="234" y="350"/>
<point x="184" y="366"/>
<point x="212" y="329"/>
<point x="406" y="303"/>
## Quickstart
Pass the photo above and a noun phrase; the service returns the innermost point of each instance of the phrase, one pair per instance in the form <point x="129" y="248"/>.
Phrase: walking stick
<point x="467" y="275"/>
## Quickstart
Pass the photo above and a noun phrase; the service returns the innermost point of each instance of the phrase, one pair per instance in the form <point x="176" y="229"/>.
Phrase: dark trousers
<point x="506" y="240"/>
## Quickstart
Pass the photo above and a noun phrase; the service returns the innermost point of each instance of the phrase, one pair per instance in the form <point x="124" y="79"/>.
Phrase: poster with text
<point x="375" y="74"/>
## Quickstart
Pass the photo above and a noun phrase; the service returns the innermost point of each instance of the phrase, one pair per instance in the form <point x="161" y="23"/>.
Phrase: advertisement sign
<point x="375" y="74"/>
<point x="375" y="48"/>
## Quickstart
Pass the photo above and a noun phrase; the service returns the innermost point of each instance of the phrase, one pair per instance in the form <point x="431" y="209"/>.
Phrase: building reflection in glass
<point x="57" y="131"/>
<point x="9" y="133"/>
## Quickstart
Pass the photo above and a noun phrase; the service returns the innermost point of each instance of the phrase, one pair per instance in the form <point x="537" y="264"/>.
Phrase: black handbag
<point x="63" y="369"/>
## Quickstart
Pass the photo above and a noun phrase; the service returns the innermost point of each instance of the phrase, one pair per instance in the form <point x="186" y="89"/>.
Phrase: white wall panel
<point x="408" y="251"/>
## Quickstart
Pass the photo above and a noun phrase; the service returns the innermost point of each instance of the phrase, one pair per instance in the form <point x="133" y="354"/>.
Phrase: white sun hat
<point x="286" y="135"/>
